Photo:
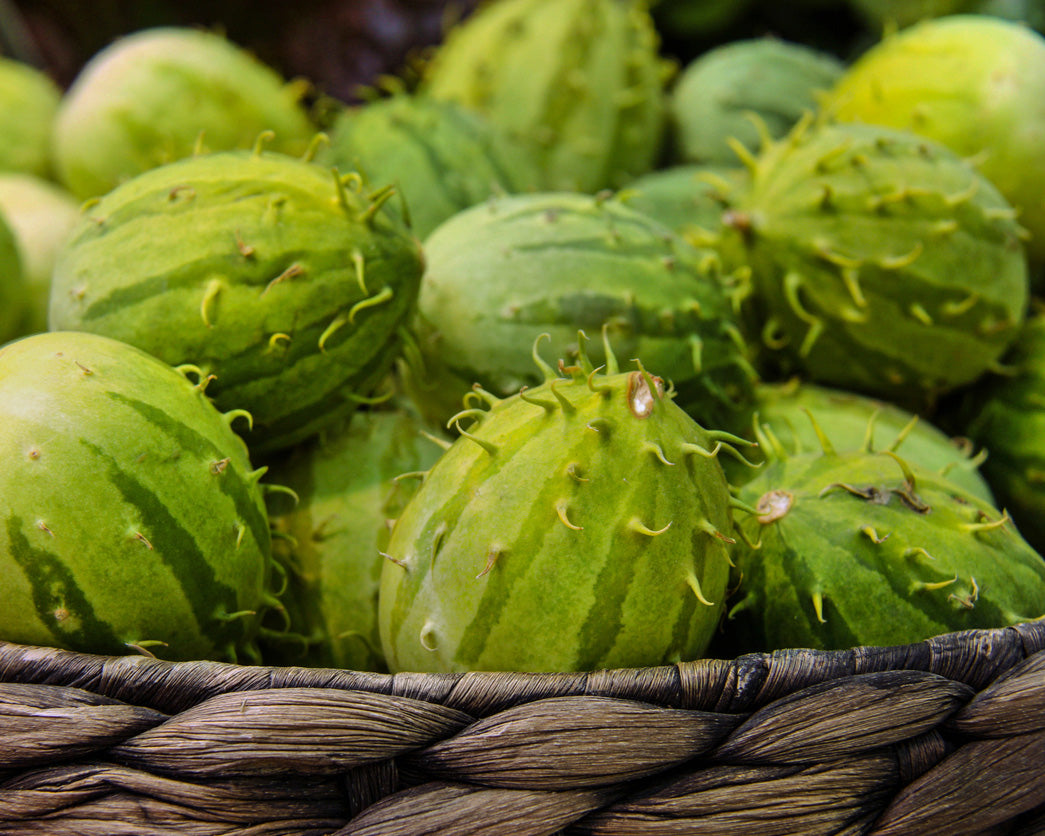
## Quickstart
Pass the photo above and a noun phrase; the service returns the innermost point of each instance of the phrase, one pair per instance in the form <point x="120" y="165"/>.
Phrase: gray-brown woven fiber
<point x="945" y="737"/>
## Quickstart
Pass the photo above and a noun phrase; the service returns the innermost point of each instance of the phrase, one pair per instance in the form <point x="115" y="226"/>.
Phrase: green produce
<point x="41" y="215"/>
<point x="442" y="157"/>
<point x="580" y="81"/>
<point x="158" y="95"/>
<point x="348" y="496"/>
<point x="501" y="273"/>
<point x="1007" y="415"/>
<point x="854" y="421"/>
<point x="972" y="82"/>
<point x="863" y="548"/>
<point x="690" y="199"/>
<point x="882" y="14"/>
<point x="745" y="91"/>
<point x="579" y="524"/>
<point x="132" y="516"/>
<point x="880" y="261"/>
<point x="28" y="104"/>
<point x="13" y="290"/>
<point x="286" y="282"/>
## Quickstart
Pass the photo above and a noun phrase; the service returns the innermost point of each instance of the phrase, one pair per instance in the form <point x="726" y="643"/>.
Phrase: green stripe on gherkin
<point x="55" y="590"/>
<point x="229" y="483"/>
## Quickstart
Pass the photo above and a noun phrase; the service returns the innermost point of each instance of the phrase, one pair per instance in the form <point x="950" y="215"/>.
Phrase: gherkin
<point x="579" y="524"/>
<point x="864" y="548"/>
<point x="879" y="261"/>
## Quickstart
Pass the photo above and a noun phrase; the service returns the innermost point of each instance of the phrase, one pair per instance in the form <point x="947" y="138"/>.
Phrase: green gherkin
<point x="14" y="292"/>
<point x="29" y="101"/>
<point x="854" y="421"/>
<point x="1007" y="415"/>
<point x="501" y="273"/>
<point x="158" y="95"/>
<point x="880" y="261"/>
<point x="580" y="81"/>
<point x="742" y="90"/>
<point x="348" y="494"/>
<point x="287" y="282"/>
<point x="860" y="548"/>
<point x="579" y="524"/>
<point x="690" y="199"/>
<point x="441" y="156"/>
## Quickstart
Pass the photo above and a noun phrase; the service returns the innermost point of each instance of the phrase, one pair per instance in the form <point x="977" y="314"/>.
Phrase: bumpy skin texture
<point x="41" y="215"/>
<point x="349" y="494"/>
<point x="880" y="261"/>
<point x="972" y="82"/>
<point x="284" y="280"/>
<point x="862" y="548"/>
<point x="580" y="81"/>
<point x="1007" y="415"/>
<point x="745" y="90"/>
<point x="29" y="101"/>
<point x="579" y="525"/>
<point x="503" y="272"/>
<point x="441" y="156"/>
<point x="132" y="515"/>
<point x="13" y="287"/>
<point x="149" y="98"/>
<point x="690" y="199"/>
<point x="792" y="411"/>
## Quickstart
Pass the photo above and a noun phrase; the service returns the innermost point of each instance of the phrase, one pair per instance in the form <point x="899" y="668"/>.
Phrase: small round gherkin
<point x="284" y="283"/>
<point x="580" y="81"/>
<point x="440" y="155"/>
<point x="880" y="261"/>
<point x="864" y="548"/>
<point x="740" y="91"/>
<point x="1006" y="414"/>
<point x="579" y="524"/>
<point x="158" y="95"/>
<point x="505" y="271"/>
<point x="29" y="101"/>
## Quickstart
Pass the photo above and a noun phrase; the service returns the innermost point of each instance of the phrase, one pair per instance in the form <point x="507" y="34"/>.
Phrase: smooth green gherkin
<point x="29" y="102"/>
<point x="864" y="548"/>
<point x="742" y="91"/>
<point x="580" y="81"/>
<point x="1006" y="414"/>
<point x="880" y="261"/>
<point x="440" y="155"/>
<point x="285" y="281"/>
<point x="349" y="492"/>
<point x="161" y="94"/>
<point x="793" y="410"/>
<point x="41" y="216"/>
<point x="579" y="524"/>
<point x="132" y="517"/>
<point x="501" y="273"/>
<point x="14" y="291"/>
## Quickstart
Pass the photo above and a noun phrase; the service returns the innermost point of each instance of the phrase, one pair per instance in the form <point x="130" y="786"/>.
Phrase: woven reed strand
<point x="943" y="737"/>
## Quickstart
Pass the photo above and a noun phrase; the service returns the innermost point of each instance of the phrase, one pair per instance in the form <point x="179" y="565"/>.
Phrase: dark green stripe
<point x="229" y="482"/>
<point x="54" y="587"/>
<point x="174" y="546"/>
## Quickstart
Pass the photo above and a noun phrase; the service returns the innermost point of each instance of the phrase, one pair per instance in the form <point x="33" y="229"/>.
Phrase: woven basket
<point x="942" y="737"/>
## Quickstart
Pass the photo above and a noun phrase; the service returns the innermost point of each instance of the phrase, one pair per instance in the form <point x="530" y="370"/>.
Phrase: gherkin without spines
<point x="582" y="523"/>
<point x="865" y="548"/>
<point x="879" y="261"/>
<point x="29" y="103"/>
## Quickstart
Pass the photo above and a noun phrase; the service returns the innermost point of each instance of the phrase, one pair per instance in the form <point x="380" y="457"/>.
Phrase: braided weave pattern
<point x="943" y="737"/>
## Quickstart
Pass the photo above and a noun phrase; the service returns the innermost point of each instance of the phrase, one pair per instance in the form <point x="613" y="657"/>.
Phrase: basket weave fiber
<point x="942" y="737"/>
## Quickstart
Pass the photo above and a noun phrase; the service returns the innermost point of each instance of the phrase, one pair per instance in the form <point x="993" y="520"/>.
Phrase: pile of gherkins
<point x="559" y="354"/>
